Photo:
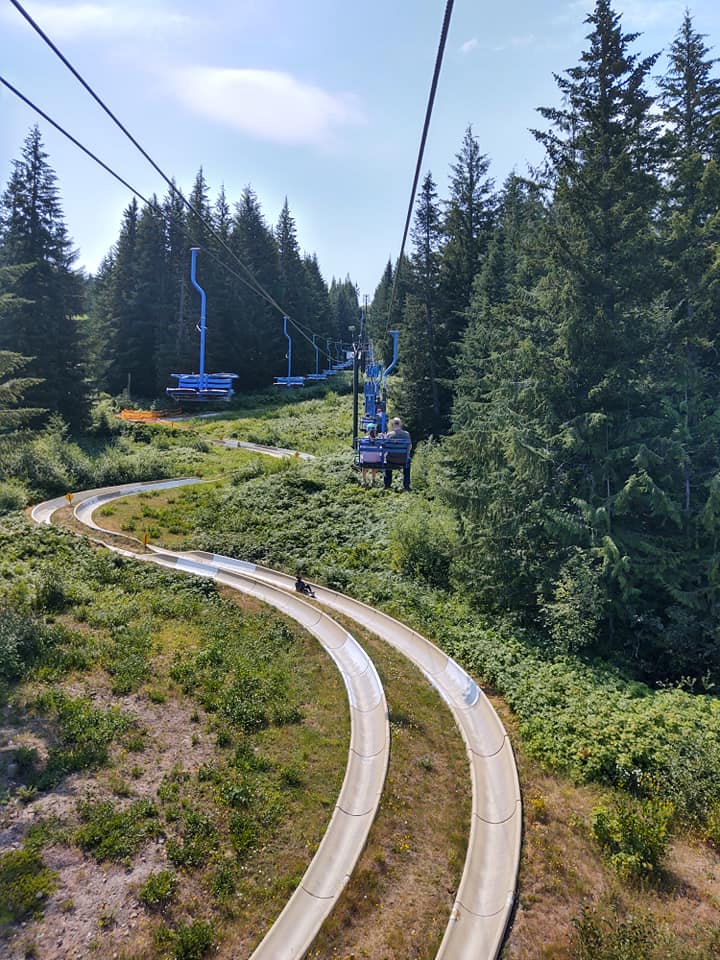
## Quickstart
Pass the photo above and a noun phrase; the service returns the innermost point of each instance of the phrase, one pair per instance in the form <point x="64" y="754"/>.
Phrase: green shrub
<point x="21" y="640"/>
<point x="423" y="542"/>
<point x="13" y="496"/>
<point x="577" y="607"/>
<point x="158" y="890"/>
<point x="196" y="840"/>
<point x="712" y="827"/>
<point x="25" y="884"/>
<point x="109" y="834"/>
<point x="84" y="734"/>
<point x="189" y="941"/>
<point x="601" y="937"/>
<point x="635" y="835"/>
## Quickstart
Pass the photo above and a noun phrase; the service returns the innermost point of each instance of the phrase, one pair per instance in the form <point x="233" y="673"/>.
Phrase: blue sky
<point x="320" y="100"/>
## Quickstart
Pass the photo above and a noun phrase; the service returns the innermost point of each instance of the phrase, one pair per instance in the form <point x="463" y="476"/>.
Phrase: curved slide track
<point x="485" y="896"/>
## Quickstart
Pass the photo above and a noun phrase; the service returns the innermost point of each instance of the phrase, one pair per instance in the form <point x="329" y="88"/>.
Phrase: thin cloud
<point x="266" y="104"/>
<point x="470" y="45"/>
<point x="71" y="21"/>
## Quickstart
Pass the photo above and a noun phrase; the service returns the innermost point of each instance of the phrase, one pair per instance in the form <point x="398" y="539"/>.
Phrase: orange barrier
<point x="143" y="416"/>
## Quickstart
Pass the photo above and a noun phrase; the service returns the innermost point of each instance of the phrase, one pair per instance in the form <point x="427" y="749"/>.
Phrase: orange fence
<point x="143" y="416"/>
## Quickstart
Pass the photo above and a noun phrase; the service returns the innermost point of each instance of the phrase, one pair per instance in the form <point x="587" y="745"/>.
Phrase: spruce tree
<point x="258" y="326"/>
<point x="42" y="324"/>
<point x="467" y="227"/>
<point x="569" y="458"/>
<point x="293" y="292"/>
<point x="423" y="400"/>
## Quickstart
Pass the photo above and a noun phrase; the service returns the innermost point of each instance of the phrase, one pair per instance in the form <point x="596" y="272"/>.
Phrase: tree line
<point x="133" y="323"/>
<point x="564" y="332"/>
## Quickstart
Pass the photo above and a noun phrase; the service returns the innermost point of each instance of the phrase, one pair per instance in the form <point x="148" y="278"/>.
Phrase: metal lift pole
<point x="201" y="328"/>
<point x="289" y="340"/>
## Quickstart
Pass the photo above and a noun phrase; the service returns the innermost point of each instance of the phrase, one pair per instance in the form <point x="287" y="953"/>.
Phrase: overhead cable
<point x="208" y="226"/>
<point x="426" y="126"/>
<point x="117" y="176"/>
<point x="72" y="139"/>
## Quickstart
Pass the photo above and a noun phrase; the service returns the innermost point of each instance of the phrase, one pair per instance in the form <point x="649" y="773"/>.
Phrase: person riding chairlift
<point x="370" y="459"/>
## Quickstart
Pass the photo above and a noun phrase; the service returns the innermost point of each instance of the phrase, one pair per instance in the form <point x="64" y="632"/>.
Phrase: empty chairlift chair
<point x="317" y="375"/>
<point x="289" y="380"/>
<point x="201" y="387"/>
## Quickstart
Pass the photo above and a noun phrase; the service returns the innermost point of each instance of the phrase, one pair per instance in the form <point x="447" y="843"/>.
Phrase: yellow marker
<point x="145" y="540"/>
<point x="68" y="497"/>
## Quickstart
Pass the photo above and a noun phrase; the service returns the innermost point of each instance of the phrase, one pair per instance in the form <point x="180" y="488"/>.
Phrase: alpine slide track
<point x="485" y="896"/>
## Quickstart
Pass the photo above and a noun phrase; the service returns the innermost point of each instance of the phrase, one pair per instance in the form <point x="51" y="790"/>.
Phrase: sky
<point x="320" y="101"/>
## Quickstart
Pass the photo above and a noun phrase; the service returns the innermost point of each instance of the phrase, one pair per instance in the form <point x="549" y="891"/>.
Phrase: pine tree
<point x="293" y="292"/>
<point x="467" y="227"/>
<point x="13" y="413"/>
<point x="569" y="458"/>
<point x="423" y="400"/>
<point x="43" y="324"/>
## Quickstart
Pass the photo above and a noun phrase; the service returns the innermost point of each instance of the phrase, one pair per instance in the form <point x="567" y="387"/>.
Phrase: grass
<point x="585" y="721"/>
<point x="221" y="807"/>
<point x="25" y="885"/>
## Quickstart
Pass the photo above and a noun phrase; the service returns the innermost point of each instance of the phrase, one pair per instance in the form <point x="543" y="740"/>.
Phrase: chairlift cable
<point x="72" y="139"/>
<point x="140" y="196"/>
<point x="421" y="151"/>
<point x="208" y="226"/>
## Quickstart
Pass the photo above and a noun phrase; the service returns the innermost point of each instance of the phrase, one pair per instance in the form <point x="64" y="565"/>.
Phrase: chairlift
<point x="317" y="375"/>
<point x="289" y="380"/>
<point x="201" y="387"/>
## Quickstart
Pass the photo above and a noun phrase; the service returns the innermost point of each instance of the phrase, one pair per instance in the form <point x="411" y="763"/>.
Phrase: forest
<point x="558" y="373"/>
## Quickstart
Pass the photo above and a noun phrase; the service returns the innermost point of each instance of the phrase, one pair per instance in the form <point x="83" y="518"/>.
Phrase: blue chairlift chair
<point x="289" y="380"/>
<point x="201" y="387"/>
<point x="317" y="375"/>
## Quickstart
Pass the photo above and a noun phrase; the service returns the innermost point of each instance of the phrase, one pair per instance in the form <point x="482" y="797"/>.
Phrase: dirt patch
<point x="94" y="907"/>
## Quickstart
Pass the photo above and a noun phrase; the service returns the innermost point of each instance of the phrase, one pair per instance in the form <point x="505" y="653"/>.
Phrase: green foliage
<point x="158" y="890"/>
<point x="601" y="937"/>
<point x="13" y="496"/>
<point x="195" y="840"/>
<point x="25" y="883"/>
<point x="423" y="543"/>
<point x="577" y="608"/>
<point x="635" y="836"/>
<point x="109" y="834"/>
<point x="83" y="732"/>
<point x="189" y="941"/>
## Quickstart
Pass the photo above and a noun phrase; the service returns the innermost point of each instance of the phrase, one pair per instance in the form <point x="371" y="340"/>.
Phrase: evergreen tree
<point x="12" y="413"/>
<point x="293" y="293"/>
<point x="423" y="400"/>
<point x="42" y="324"/>
<point x="258" y="327"/>
<point x="568" y="463"/>
<point x="321" y="315"/>
<point x="468" y="226"/>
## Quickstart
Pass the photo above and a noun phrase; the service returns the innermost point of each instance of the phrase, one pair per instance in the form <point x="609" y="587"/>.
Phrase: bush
<point x="635" y="835"/>
<point x="108" y="834"/>
<point x="190" y="941"/>
<point x="423" y="542"/>
<point x="577" y="608"/>
<point x="598" y="937"/>
<point x="158" y="890"/>
<point x="25" y="883"/>
<point x="21" y="639"/>
<point x="13" y="496"/>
